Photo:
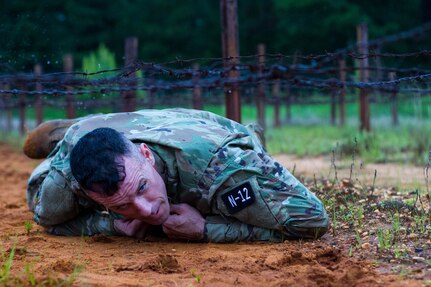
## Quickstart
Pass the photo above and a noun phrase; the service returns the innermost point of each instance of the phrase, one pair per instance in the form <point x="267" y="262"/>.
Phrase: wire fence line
<point x="283" y="79"/>
<point x="157" y="77"/>
<point x="18" y="90"/>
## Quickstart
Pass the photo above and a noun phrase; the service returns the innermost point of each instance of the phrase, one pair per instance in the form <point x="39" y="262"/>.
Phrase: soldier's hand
<point x="131" y="227"/>
<point x="184" y="222"/>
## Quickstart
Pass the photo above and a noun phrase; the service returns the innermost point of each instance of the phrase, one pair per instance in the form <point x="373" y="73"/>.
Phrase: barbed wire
<point x="180" y="73"/>
<point x="277" y="72"/>
<point x="154" y="68"/>
<point x="379" y="42"/>
<point x="286" y="98"/>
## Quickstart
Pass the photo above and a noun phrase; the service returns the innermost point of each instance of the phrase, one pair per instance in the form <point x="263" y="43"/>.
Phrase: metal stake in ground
<point x="230" y="48"/>
<point x="39" y="101"/>
<point x="342" y="93"/>
<point x="130" y="56"/>
<point x="364" y="106"/>
<point x="260" y="96"/>
<point x="70" y="99"/>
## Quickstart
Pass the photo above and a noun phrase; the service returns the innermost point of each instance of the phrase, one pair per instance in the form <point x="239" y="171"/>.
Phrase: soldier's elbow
<point x="309" y="228"/>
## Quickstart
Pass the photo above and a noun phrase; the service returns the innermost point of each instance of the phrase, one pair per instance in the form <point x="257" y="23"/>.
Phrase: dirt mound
<point x="119" y="261"/>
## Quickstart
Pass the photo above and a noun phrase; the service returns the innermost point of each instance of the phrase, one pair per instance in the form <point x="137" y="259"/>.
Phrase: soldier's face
<point x="142" y="194"/>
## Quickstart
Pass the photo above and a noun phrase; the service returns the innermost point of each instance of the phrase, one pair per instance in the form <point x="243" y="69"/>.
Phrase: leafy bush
<point x="99" y="60"/>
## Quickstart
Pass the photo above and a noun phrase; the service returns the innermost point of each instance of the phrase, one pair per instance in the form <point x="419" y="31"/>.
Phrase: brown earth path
<point x="119" y="261"/>
<point x="387" y="174"/>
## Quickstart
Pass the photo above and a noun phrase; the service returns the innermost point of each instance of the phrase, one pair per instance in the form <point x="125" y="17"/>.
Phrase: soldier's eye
<point x="142" y="187"/>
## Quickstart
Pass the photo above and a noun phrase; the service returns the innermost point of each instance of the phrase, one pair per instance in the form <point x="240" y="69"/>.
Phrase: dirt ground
<point x="116" y="261"/>
<point x="383" y="174"/>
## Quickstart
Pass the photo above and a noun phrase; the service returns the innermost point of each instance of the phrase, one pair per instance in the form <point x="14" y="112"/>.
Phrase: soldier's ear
<point x="146" y="152"/>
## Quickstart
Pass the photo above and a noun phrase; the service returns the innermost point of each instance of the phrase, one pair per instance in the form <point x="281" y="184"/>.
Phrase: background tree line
<point x="41" y="31"/>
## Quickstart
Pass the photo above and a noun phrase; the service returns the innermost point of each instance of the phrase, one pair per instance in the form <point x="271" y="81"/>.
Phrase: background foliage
<point x="41" y="31"/>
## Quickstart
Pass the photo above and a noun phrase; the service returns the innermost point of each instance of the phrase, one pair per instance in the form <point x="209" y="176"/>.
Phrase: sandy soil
<point x="118" y="261"/>
<point x="387" y="175"/>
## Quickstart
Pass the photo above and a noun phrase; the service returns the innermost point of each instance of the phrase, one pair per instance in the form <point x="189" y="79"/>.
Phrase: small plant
<point x="404" y="272"/>
<point x="72" y="276"/>
<point x="358" y="215"/>
<point x="30" y="279"/>
<point x="358" y="239"/>
<point x="385" y="239"/>
<point x="398" y="253"/>
<point x="396" y="225"/>
<point x="30" y="276"/>
<point x="334" y="222"/>
<point x="195" y="275"/>
<point x="6" y="265"/>
<point x="28" y="226"/>
<point x="420" y="223"/>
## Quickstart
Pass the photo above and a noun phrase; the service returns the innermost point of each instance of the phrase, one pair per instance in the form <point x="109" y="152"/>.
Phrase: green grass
<point x="28" y="277"/>
<point x="14" y="139"/>
<point x="28" y="226"/>
<point x="409" y="144"/>
<point x="6" y="264"/>
<point x="309" y="132"/>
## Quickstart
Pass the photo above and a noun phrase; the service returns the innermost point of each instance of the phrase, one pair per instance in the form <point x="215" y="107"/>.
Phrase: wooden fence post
<point x="70" y="99"/>
<point x="38" y="105"/>
<point x="333" y="106"/>
<point x="288" y="103"/>
<point x="291" y="92"/>
<point x="260" y="96"/>
<point x="130" y="56"/>
<point x="378" y="61"/>
<point x="9" y="122"/>
<point x="197" y="90"/>
<point x="4" y="113"/>
<point x="364" y="105"/>
<point x="394" y="102"/>
<point x="276" y="97"/>
<point x="230" y="48"/>
<point x="22" y="119"/>
<point x="152" y="99"/>
<point x="342" y="93"/>
<point x="2" y="110"/>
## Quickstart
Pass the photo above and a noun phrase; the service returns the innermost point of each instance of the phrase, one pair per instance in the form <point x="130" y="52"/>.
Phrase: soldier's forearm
<point x="222" y="231"/>
<point x="88" y="223"/>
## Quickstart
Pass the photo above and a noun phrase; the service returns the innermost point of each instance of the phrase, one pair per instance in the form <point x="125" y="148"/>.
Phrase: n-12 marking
<point x="233" y="200"/>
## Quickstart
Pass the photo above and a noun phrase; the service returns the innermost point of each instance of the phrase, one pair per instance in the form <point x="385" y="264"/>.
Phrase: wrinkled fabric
<point x="200" y="156"/>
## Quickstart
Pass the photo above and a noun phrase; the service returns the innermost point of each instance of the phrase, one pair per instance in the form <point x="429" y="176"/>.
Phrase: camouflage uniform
<point x="212" y="163"/>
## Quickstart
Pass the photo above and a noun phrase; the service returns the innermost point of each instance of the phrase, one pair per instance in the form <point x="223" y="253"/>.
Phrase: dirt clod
<point x="165" y="264"/>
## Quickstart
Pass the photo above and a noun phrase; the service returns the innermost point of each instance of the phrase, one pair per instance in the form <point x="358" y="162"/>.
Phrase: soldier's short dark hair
<point x="94" y="160"/>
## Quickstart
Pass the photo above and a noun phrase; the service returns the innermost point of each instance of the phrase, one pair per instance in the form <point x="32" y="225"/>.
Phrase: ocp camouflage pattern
<point x="200" y="156"/>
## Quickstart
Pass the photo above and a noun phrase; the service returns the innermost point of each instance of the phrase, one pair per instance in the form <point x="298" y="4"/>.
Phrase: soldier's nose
<point x="143" y="207"/>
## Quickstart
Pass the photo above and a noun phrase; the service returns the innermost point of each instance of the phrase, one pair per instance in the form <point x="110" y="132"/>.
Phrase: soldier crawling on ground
<point x="184" y="173"/>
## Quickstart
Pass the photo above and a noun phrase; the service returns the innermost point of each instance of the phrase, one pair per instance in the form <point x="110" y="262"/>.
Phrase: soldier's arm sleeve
<point x="59" y="210"/>
<point x="219" y="229"/>
<point x="88" y="223"/>
<point x="267" y="199"/>
<point x="49" y="196"/>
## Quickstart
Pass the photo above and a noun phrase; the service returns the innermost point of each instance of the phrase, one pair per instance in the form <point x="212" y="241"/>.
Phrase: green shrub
<point x="99" y="60"/>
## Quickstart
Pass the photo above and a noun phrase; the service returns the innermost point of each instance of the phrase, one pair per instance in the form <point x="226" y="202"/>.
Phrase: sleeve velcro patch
<point x="238" y="197"/>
